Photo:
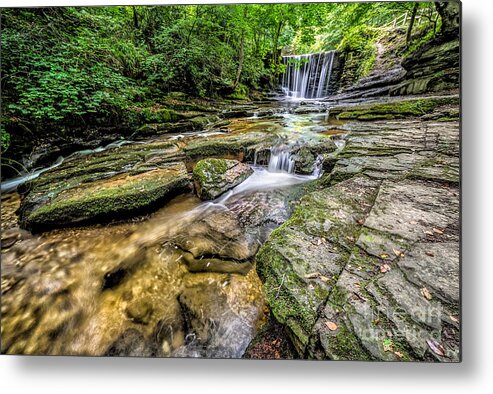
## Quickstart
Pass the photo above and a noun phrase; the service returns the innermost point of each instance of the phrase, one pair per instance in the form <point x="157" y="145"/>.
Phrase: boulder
<point x="124" y="194"/>
<point x="213" y="177"/>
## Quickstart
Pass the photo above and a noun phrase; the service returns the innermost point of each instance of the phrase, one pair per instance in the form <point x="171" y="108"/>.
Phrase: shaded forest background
<point x="77" y="68"/>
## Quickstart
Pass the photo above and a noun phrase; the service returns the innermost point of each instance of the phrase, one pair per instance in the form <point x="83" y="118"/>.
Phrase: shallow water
<point x="179" y="282"/>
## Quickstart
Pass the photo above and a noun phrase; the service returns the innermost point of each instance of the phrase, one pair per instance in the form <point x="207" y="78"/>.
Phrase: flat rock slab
<point x="400" y="286"/>
<point x="122" y="194"/>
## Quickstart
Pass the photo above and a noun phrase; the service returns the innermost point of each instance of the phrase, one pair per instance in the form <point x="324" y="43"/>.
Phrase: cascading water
<point x="281" y="160"/>
<point x="307" y="76"/>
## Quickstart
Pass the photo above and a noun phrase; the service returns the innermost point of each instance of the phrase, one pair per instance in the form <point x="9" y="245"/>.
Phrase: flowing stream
<point x="179" y="282"/>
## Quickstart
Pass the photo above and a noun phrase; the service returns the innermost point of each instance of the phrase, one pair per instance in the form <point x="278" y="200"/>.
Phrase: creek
<point x="179" y="282"/>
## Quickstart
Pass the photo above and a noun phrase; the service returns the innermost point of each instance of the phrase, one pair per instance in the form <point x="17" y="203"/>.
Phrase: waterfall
<point x="307" y="76"/>
<point x="281" y="160"/>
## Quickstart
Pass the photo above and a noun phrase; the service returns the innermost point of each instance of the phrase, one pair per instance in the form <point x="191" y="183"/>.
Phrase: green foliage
<point x="5" y="139"/>
<point x="91" y="66"/>
<point x="67" y="72"/>
<point x="360" y="42"/>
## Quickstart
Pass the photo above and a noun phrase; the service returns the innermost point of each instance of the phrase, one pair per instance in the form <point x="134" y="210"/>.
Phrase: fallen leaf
<point x="313" y="275"/>
<point x="436" y="347"/>
<point x="428" y="253"/>
<point x="384" y="268"/>
<point x="331" y="325"/>
<point x="425" y="293"/>
<point x="454" y="319"/>
<point x="399" y="354"/>
<point x="435" y="230"/>
<point x="384" y="256"/>
<point x="360" y="222"/>
<point x="398" y="253"/>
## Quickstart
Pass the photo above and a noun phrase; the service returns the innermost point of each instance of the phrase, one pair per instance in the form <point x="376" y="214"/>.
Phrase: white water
<point x="281" y="160"/>
<point x="307" y="76"/>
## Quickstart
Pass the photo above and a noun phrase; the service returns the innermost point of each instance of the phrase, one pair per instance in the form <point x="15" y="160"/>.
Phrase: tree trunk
<point x="411" y="24"/>
<point x="240" y="60"/>
<point x="136" y="17"/>
<point x="450" y="14"/>
<point x="275" y="56"/>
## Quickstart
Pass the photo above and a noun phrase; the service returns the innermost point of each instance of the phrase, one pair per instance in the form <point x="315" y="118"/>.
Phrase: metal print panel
<point x="263" y="181"/>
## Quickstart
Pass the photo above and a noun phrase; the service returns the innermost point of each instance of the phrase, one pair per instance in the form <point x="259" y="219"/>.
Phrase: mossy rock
<point x="395" y="109"/>
<point x="102" y="200"/>
<point x="233" y="146"/>
<point x="213" y="177"/>
<point x="302" y="259"/>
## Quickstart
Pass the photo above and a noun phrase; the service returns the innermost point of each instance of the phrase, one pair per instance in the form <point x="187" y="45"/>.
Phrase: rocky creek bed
<point x="329" y="231"/>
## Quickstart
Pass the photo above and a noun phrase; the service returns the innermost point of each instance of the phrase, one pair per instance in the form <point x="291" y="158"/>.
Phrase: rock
<point x="217" y="243"/>
<point x="384" y="314"/>
<point x="392" y="150"/>
<point x="232" y="146"/>
<point x="395" y="109"/>
<point x="391" y="200"/>
<point x="316" y="239"/>
<point x="124" y="194"/>
<point x="433" y="68"/>
<point x="311" y="152"/>
<point x="213" y="177"/>
<point x="131" y="343"/>
<point x="139" y="312"/>
<point x="233" y="305"/>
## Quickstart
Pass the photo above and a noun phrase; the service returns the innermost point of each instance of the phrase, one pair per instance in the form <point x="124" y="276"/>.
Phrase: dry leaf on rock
<point x="454" y="319"/>
<point x="398" y="253"/>
<point x="312" y="275"/>
<point x="384" y="268"/>
<point x="426" y="293"/>
<point x="436" y="347"/>
<point x="331" y="325"/>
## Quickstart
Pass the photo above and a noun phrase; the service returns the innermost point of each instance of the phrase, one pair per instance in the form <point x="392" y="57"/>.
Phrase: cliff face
<point x="433" y="68"/>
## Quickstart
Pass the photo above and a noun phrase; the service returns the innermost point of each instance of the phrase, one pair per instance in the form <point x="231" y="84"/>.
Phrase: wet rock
<point x="131" y="343"/>
<point x="221" y="312"/>
<point x="217" y="235"/>
<point x="139" y="311"/>
<point x="213" y="177"/>
<point x="311" y="152"/>
<point x="232" y="146"/>
<point x="12" y="236"/>
<point x="124" y="194"/>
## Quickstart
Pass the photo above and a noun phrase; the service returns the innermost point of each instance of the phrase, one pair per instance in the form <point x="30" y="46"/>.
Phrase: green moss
<point x="94" y="203"/>
<point x="279" y="283"/>
<point x="210" y="170"/>
<point x="395" y="109"/>
<point x="344" y="345"/>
